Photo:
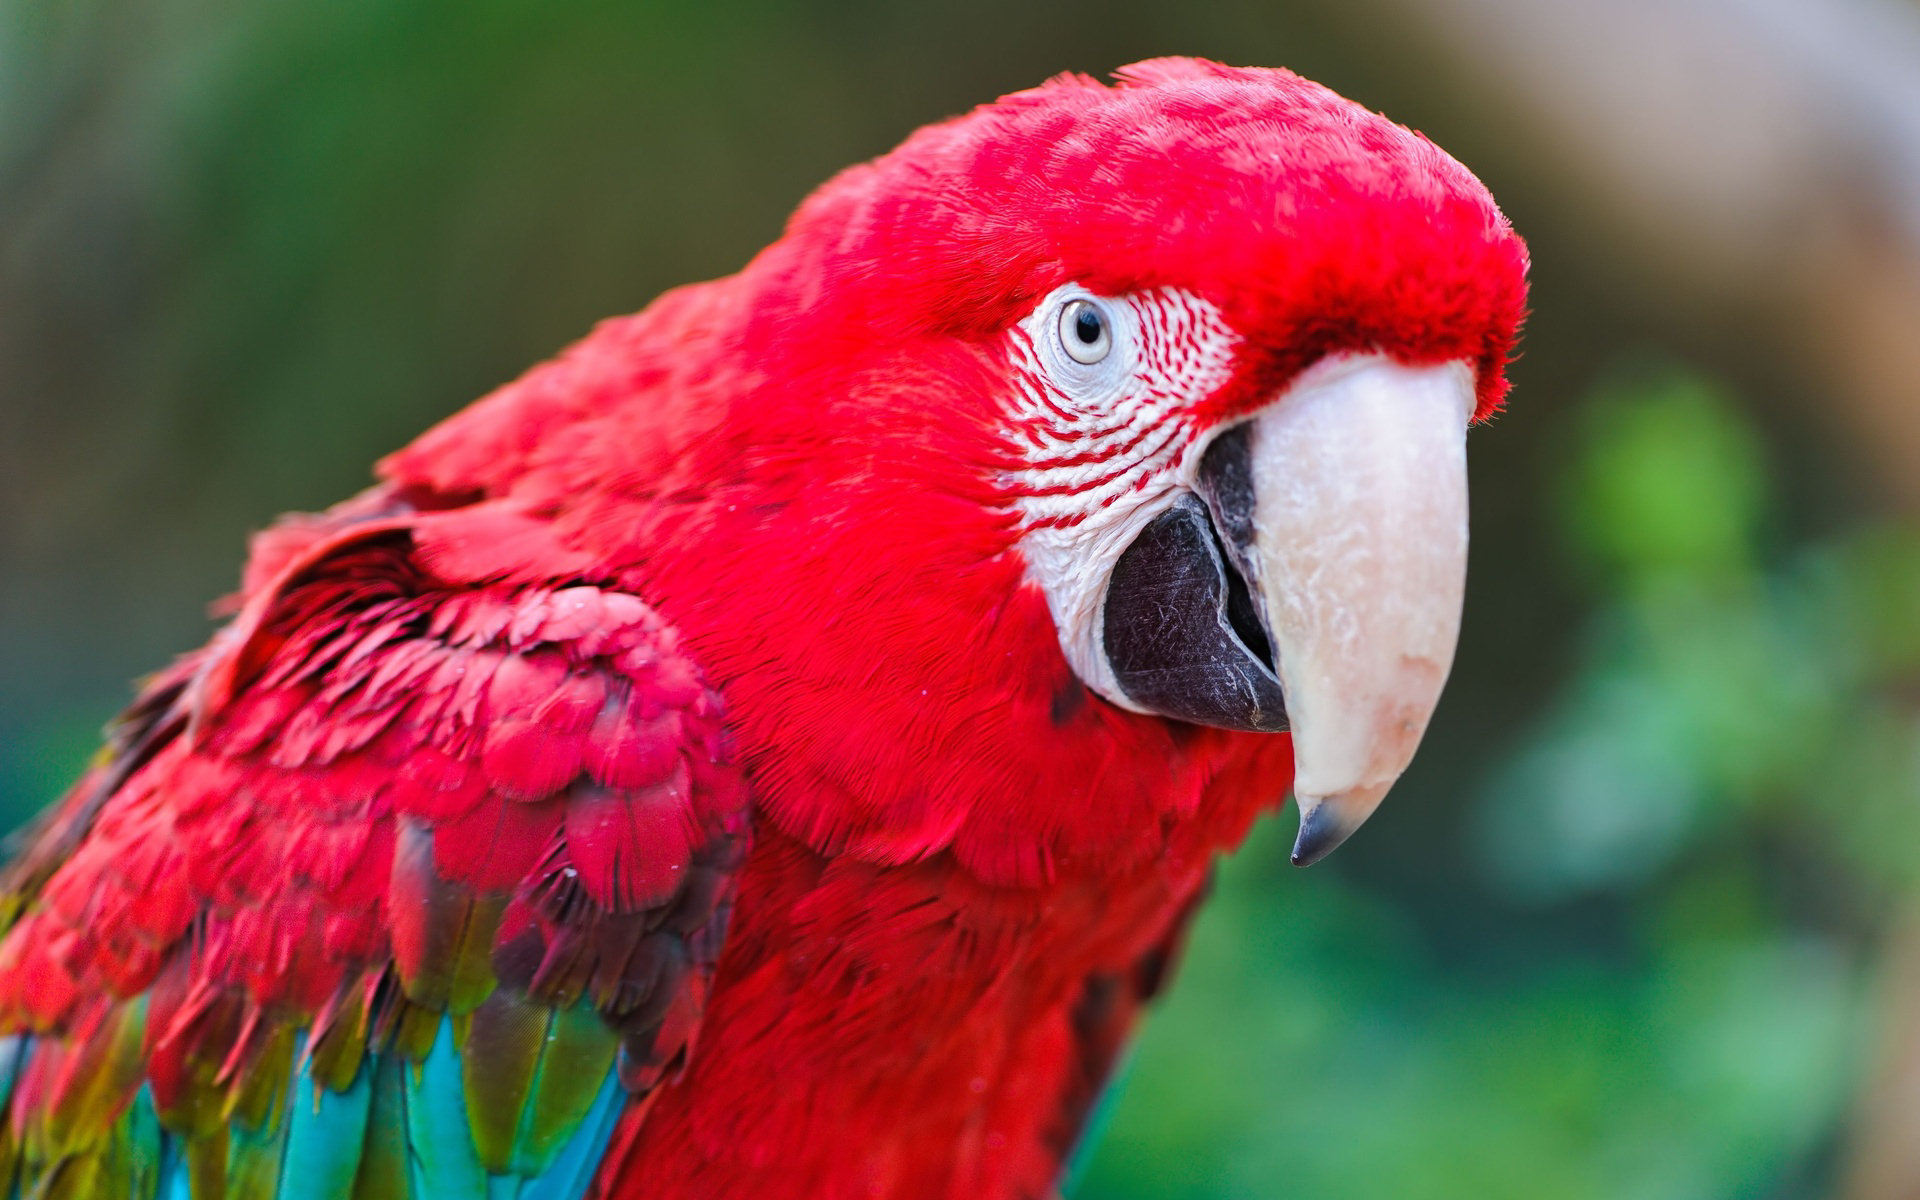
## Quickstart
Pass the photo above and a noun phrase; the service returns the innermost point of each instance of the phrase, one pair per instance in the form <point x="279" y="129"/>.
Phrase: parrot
<point x="776" y="747"/>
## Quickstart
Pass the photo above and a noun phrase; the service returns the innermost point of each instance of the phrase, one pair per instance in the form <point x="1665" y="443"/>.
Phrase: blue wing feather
<point x="328" y="1134"/>
<point x="439" y="1144"/>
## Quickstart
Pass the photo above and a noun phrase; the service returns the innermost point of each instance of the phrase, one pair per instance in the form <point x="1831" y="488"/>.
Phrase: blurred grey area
<point x="1641" y="922"/>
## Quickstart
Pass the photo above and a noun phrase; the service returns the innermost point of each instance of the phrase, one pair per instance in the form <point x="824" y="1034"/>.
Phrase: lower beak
<point x="1339" y="534"/>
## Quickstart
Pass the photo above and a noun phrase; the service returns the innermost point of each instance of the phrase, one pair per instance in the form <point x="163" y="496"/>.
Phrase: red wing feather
<point x="381" y="796"/>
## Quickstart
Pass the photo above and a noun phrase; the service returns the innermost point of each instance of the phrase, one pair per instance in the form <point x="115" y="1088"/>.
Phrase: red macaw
<point x="774" y="749"/>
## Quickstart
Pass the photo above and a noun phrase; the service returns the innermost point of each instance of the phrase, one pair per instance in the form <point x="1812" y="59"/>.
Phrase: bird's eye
<point x="1085" y="331"/>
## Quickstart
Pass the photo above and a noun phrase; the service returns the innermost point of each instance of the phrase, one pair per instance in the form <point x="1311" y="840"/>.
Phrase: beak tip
<point x="1327" y="821"/>
<point x="1320" y="836"/>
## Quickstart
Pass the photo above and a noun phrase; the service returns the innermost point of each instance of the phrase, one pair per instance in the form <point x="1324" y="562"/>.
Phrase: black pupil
<point x="1087" y="325"/>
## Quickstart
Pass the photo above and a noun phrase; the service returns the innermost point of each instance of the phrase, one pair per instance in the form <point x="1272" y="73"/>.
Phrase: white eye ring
<point x="1086" y="331"/>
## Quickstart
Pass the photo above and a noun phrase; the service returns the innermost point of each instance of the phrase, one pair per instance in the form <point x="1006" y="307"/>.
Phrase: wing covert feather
<point x="460" y="851"/>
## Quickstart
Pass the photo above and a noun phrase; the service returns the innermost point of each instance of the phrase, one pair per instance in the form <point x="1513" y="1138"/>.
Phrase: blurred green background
<point x="1639" y="924"/>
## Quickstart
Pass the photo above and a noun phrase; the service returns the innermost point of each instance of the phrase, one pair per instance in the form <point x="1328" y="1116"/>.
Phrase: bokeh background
<point x="1641" y="922"/>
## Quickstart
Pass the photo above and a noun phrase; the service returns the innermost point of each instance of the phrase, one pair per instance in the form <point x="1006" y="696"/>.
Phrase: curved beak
<point x="1311" y="581"/>
<point x="1344" y="504"/>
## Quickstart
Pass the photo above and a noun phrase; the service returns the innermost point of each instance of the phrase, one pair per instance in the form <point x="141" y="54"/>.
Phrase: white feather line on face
<point x="1107" y="447"/>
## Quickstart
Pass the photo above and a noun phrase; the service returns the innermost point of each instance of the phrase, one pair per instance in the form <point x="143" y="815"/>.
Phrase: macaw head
<point x="1246" y="325"/>
<point x="1177" y="371"/>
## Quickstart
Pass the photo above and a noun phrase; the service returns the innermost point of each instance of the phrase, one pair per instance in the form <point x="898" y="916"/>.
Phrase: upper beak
<point x="1341" y="514"/>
